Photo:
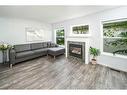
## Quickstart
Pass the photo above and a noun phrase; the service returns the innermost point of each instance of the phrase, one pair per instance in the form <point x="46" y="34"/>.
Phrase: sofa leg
<point x="54" y="57"/>
<point x="10" y="65"/>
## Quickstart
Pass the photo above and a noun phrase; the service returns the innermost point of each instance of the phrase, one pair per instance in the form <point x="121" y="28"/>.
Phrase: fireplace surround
<point x="76" y="50"/>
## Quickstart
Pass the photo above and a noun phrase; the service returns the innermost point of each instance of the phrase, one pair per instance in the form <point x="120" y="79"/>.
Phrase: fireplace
<point x="76" y="49"/>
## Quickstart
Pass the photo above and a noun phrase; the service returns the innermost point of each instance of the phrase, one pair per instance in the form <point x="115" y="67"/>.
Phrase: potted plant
<point x="4" y="48"/>
<point x="94" y="52"/>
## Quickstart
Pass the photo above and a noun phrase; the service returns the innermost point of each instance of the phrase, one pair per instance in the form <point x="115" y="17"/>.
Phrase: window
<point x="84" y="29"/>
<point x="115" y="37"/>
<point x="60" y="36"/>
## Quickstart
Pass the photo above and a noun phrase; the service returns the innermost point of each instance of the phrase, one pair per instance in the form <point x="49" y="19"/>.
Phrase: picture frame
<point x="34" y="34"/>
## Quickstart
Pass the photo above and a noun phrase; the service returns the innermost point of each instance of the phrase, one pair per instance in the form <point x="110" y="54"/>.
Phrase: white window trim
<point x="55" y="35"/>
<point x="116" y="55"/>
<point x="80" y="35"/>
<point x="102" y="37"/>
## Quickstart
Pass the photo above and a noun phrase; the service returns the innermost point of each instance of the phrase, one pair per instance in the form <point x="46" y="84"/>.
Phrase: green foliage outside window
<point x="114" y="29"/>
<point x="60" y="32"/>
<point x="80" y="29"/>
<point x="60" y="36"/>
<point x="115" y="37"/>
<point x="60" y="41"/>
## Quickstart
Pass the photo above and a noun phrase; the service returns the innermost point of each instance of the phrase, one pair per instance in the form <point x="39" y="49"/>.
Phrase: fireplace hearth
<point x="76" y="49"/>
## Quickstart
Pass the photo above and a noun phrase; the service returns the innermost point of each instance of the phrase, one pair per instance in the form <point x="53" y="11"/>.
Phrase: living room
<point x="56" y="50"/>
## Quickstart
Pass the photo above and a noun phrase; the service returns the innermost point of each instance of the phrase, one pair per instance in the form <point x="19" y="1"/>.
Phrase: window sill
<point x="116" y="56"/>
<point x="62" y="46"/>
<point x="79" y="36"/>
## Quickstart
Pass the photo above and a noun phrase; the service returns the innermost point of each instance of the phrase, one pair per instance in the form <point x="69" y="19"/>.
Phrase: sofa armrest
<point x="12" y="55"/>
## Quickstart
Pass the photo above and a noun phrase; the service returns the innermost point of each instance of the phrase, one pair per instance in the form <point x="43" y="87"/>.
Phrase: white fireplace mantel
<point x="86" y="46"/>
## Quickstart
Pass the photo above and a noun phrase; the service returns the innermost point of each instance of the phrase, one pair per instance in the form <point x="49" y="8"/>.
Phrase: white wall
<point x="94" y="21"/>
<point x="12" y="31"/>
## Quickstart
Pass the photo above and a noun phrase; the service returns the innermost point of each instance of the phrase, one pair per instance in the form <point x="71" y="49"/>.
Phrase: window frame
<point x="102" y="38"/>
<point x="60" y="28"/>
<point x="80" y="35"/>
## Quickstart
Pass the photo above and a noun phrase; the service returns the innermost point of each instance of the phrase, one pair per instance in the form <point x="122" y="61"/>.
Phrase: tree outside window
<point x="115" y="37"/>
<point x="80" y="29"/>
<point x="60" y="36"/>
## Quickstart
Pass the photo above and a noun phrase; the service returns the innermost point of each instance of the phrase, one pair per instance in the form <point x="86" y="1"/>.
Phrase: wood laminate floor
<point x="62" y="73"/>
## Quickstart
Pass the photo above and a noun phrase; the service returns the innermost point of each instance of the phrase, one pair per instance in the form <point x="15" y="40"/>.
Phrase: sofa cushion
<point x="48" y="44"/>
<point x="40" y="50"/>
<point x="53" y="45"/>
<point x="45" y="45"/>
<point x="36" y="46"/>
<point x="56" y="51"/>
<point x="24" y="54"/>
<point x="21" y="48"/>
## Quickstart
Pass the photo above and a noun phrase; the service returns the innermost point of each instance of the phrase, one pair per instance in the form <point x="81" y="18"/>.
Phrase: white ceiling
<point x="50" y="14"/>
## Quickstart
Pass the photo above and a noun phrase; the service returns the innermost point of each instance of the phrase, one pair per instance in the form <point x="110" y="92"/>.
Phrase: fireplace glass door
<point x="75" y="50"/>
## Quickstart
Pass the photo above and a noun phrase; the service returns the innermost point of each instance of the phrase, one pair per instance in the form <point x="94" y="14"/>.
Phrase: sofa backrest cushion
<point x="53" y="45"/>
<point x="48" y="44"/>
<point x="22" y="47"/>
<point x="45" y="45"/>
<point x="36" y="46"/>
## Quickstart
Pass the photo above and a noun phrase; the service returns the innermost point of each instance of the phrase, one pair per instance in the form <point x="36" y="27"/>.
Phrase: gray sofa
<point x="25" y="52"/>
